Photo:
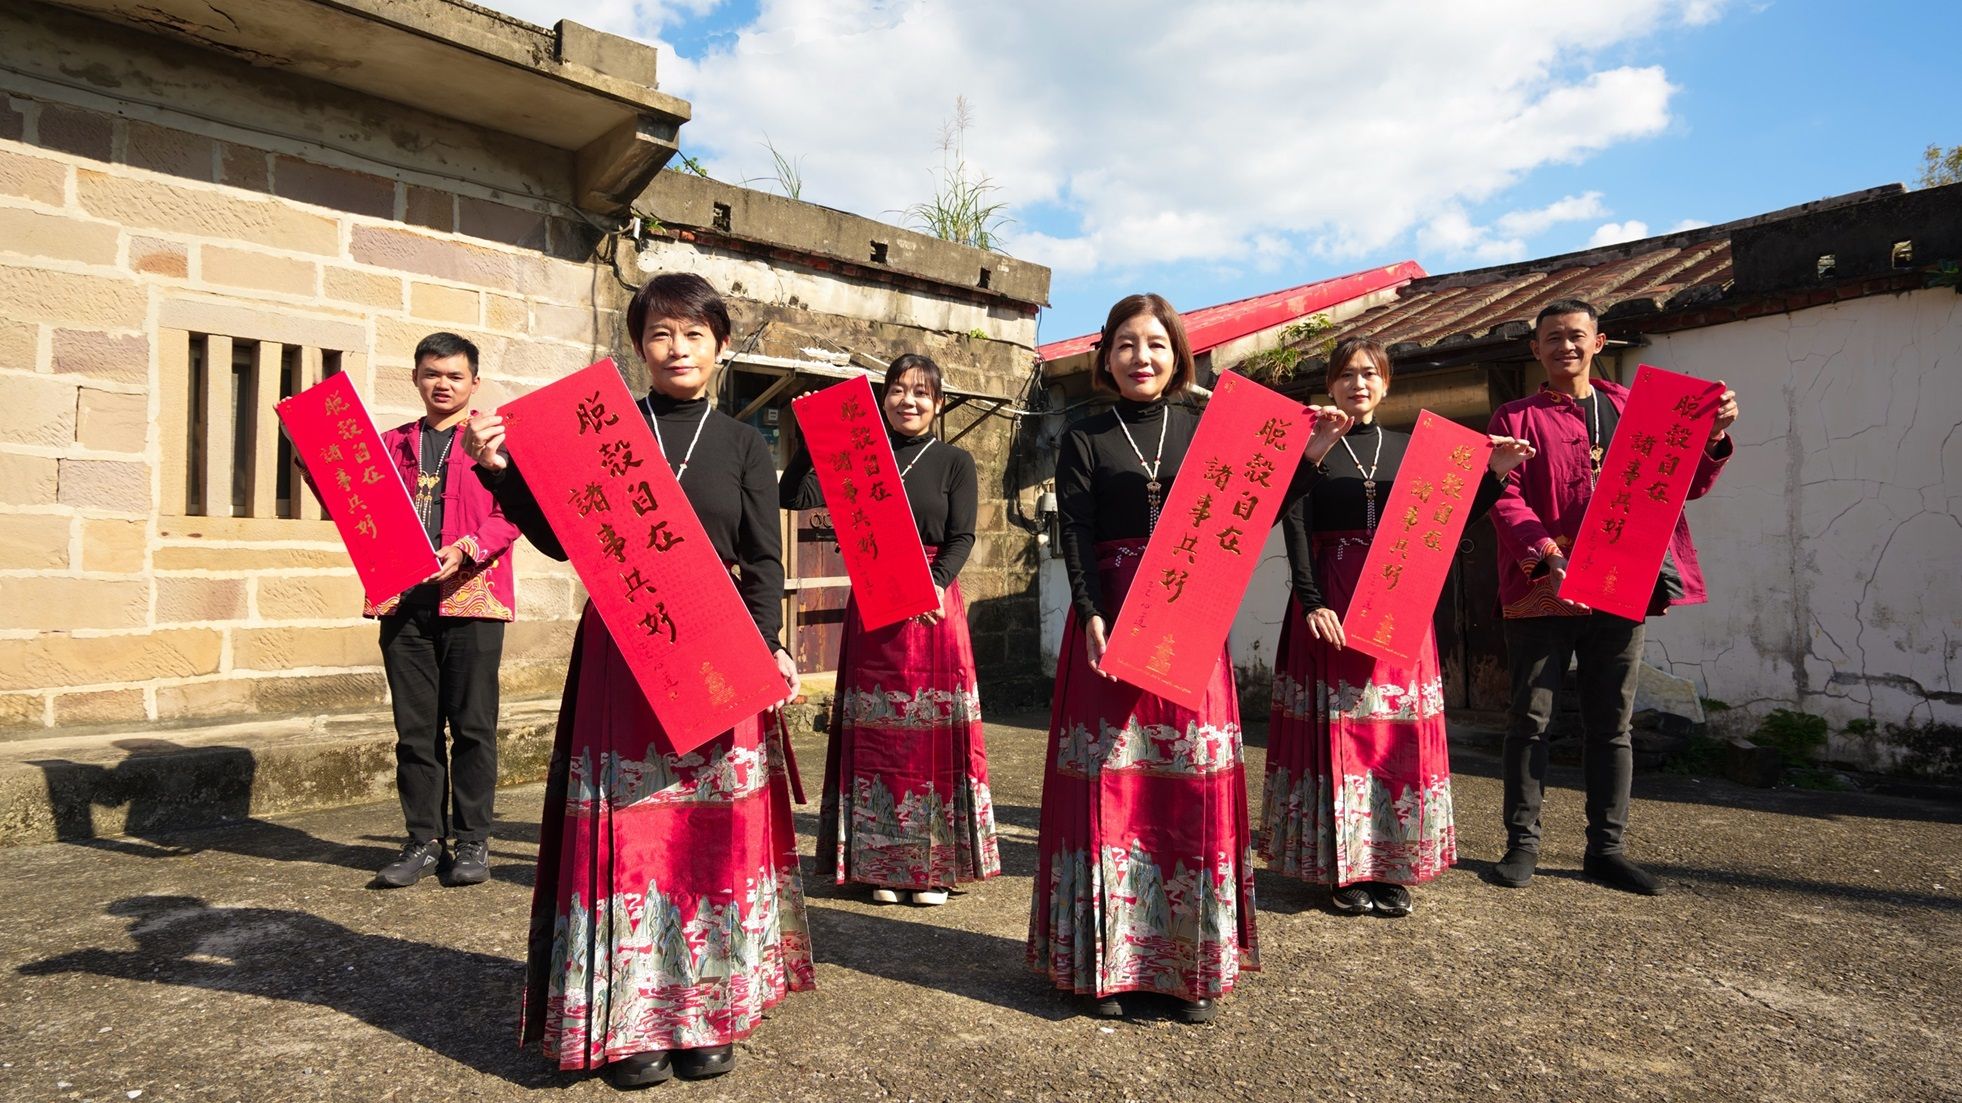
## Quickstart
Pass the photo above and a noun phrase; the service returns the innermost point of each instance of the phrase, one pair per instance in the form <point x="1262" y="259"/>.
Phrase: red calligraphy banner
<point x="359" y="485"/>
<point x="1208" y="541"/>
<point x="1644" y="482"/>
<point x="654" y="578"/>
<point x="1410" y="554"/>
<point x="846" y="433"/>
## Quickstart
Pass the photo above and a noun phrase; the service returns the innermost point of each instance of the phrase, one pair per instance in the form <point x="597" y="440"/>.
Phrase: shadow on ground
<point x="1722" y="793"/>
<point x="290" y="955"/>
<point x="164" y="787"/>
<point x="982" y="967"/>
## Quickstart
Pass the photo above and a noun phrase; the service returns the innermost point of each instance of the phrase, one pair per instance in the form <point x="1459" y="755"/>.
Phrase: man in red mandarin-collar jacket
<point x="1570" y="422"/>
<point x="442" y="640"/>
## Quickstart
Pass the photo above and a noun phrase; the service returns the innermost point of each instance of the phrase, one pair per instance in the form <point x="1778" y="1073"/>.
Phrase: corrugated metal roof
<point x="1450" y="310"/>
<point x="1625" y="281"/>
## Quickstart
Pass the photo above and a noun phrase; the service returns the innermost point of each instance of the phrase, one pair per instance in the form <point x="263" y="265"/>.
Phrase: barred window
<point x="224" y="453"/>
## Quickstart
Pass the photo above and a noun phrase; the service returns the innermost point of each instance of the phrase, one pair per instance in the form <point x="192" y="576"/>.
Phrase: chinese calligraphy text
<point x="359" y="486"/>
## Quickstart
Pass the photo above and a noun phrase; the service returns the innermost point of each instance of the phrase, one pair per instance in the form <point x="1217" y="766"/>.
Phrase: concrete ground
<point x="1807" y="950"/>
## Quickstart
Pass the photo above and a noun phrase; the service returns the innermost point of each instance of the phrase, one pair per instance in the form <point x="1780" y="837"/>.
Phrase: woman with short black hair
<point x="668" y="913"/>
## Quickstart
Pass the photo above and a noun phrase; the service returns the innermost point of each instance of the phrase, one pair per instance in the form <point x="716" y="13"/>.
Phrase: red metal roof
<point x="1212" y="326"/>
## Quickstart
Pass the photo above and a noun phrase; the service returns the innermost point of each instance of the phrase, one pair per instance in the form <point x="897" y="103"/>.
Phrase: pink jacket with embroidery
<point x="1545" y="497"/>
<point x="486" y="586"/>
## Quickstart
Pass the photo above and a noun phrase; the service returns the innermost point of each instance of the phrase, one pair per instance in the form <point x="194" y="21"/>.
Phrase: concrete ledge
<point x="65" y="787"/>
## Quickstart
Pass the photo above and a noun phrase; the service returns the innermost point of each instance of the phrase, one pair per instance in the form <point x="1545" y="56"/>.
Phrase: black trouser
<point x="1609" y="650"/>
<point x="442" y="671"/>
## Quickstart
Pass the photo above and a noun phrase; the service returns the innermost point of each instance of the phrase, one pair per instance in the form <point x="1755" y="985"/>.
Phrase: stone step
<point x="98" y="785"/>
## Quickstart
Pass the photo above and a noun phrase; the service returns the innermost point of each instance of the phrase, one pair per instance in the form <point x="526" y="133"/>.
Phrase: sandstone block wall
<point x="159" y="203"/>
<point x="120" y="236"/>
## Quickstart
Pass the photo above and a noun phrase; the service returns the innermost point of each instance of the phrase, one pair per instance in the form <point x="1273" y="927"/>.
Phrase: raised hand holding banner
<point x="359" y="486"/>
<point x="656" y="581"/>
<point x="880" y="542"/>
<point x="1209" y="538"/>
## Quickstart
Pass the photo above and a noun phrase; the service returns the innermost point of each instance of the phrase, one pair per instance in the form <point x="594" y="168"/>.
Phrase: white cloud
<point x="1614" y="233"/>
<point x="634" y="18"/>
<point x="1572" y="208"/>
<point x="1452" y="234"/>
<point x="1698" y="12"/>
<point x="1232" y="132"/>
<point x="1688" y="224"/>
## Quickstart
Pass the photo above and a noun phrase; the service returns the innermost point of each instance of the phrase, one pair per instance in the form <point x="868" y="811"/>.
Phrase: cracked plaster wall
<point x="1256" y="629"/>
<point x="1832" y="541"/>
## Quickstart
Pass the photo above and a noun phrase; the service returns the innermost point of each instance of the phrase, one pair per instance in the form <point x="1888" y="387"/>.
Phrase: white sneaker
<point x="884" y="896"/>
<point x="930" y="897"/>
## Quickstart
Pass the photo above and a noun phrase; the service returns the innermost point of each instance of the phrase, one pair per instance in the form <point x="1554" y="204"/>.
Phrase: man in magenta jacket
<point x="442" y="640"/>
<point x="1570" y="422"/>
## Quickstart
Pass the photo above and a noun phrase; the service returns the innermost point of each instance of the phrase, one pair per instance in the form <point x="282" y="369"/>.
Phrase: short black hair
<point x="683" y="296"/>
<point x="1558" y="307"/>
<point x="442" y="346"/>
<point x="913" y="361"/>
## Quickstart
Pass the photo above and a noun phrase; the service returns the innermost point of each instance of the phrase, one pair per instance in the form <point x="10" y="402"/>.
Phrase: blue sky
<point x="1217" y="150"/>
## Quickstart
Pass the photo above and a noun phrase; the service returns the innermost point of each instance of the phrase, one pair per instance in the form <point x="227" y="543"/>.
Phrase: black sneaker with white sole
<point x="416" y="860"/>
<point x="1351" y="900"/>
<point x="1390" y="900"/>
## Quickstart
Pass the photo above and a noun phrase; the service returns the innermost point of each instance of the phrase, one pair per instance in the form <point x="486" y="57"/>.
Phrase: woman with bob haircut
<point x="1358" y="787"/>
<point x="1144" y="881"/>
<point x="906" y="806"/>
<point x="668" y="913"/>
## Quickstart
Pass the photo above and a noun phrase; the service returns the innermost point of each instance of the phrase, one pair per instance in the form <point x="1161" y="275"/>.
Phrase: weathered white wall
<point x="1832" y="543"/>
<point x="1256" y="628"/>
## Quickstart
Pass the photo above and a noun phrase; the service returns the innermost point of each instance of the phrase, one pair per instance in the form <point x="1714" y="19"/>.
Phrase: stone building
<point x="1829" y="543"/>
<point x="202" y="211"/>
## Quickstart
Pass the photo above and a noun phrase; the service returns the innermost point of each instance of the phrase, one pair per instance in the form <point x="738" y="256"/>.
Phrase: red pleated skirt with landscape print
<point x="1358" y="784"/>
<point x="1144" y="881"/>
<point x="906" y="802"/>
<point x="668" y="912"/>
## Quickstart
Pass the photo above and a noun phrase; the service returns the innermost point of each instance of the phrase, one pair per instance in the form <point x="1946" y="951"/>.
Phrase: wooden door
<point x="819" y="600"/>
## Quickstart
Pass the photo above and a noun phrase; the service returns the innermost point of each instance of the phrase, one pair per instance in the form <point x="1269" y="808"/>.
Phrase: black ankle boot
<point x="1616" y="871"/>
<point x="1516" y="868"/>
<point x="697" y="1064"/>
<point x="642" y="1070"/>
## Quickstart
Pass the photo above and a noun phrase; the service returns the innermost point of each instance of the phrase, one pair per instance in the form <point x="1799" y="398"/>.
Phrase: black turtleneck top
<point x="1100" y="487"/>
<point x="1336" y="502"/>
<point x="730" y="482"/>
<point x="940" y="486"/>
